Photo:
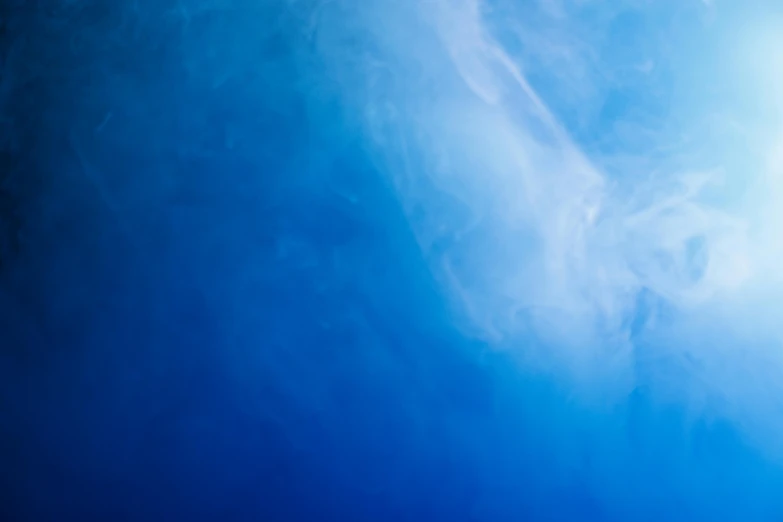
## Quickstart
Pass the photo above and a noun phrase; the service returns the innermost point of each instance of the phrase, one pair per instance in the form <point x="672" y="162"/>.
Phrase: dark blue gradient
<point x="212" y="307"/>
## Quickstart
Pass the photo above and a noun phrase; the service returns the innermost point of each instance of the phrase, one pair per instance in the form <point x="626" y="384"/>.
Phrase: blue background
<point x="212" y="308"/>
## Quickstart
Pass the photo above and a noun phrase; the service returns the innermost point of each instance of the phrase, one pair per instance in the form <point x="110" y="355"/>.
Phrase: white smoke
<point x="557" y="251"/>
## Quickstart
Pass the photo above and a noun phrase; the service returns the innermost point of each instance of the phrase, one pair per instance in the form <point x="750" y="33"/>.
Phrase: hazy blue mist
<point x="459" y="260"/>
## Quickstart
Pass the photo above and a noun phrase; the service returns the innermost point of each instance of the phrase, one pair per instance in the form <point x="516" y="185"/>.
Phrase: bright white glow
<point x="658" y="220"/>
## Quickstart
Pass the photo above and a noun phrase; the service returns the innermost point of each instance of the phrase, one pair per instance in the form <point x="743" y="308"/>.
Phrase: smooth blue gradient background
<point x="220" y="306"/>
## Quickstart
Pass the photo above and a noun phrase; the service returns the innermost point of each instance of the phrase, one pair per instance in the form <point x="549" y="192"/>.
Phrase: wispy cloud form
<point x="579" y="191"/>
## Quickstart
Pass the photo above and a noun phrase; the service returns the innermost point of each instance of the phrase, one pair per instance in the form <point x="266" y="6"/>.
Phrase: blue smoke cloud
<point x="413" y="260"/>
<point x="583" y="178"/>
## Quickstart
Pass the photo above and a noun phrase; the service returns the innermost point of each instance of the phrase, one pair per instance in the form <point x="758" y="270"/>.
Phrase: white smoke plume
<point x="591" y="252"/>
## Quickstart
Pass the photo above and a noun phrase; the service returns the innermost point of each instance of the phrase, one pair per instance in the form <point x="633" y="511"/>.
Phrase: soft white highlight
<point x="586" y="245"/>
<point x="550" y="247"/>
